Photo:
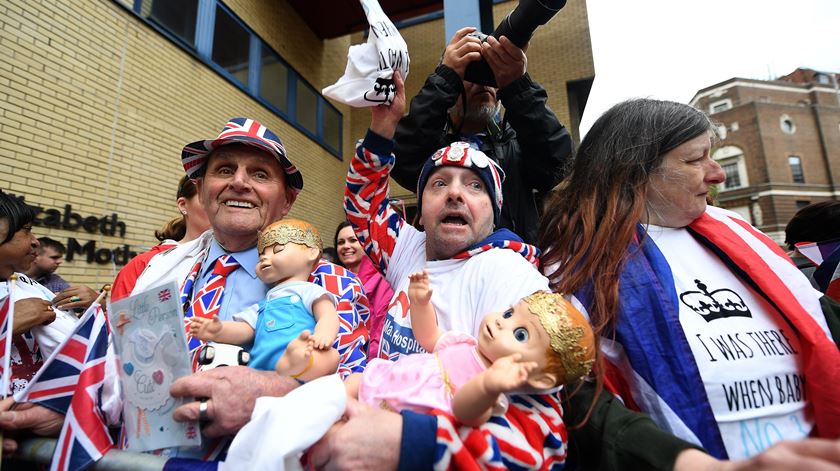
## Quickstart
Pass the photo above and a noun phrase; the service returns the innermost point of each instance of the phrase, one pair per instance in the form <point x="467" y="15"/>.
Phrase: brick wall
<point x="96" y="107"/>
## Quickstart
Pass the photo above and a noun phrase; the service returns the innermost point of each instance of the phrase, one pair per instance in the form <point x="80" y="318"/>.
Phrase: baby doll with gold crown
<point x="294" y="327"/>
<point x="539" y="344"/>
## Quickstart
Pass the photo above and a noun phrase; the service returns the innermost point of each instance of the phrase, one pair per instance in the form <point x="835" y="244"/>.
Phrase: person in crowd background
<point x="189" y="225"/>
<point x="43" y="270"/>
<point x="50" y="257"/>
<point x="38" y="327"/>
<point x="331" y="255"/>
<point x="693" y="304"/>
<point x="529" y="144"/>
<point x="818" y="224"/>
<point x="352" y="256"/>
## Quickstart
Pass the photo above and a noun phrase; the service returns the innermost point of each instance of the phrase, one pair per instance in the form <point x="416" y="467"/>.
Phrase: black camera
<point x="518" y="26"/>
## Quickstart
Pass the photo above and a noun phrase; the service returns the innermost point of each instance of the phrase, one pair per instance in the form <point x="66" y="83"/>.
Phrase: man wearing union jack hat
<point x="245" y="181"/>
<point x="473" y="268"/>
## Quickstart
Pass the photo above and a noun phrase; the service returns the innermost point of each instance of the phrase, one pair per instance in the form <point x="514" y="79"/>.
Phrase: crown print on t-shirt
<point x="718" y="304"/>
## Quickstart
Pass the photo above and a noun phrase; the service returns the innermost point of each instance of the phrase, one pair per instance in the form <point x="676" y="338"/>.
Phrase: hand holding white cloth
<point x="368" y="78"/>
<point x="282" y="428"/>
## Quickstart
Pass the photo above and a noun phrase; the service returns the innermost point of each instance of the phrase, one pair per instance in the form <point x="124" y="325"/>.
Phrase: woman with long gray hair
<point x="704" y="322"/>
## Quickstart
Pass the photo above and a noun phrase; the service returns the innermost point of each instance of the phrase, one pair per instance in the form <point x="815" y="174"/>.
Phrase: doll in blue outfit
<point x="294" y="328"/>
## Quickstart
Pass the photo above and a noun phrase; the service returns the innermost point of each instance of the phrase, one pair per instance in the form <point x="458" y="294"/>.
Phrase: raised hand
<point x="507" y="61"/>
<point x="384" y="118"/>
<point x="461" y="50"/>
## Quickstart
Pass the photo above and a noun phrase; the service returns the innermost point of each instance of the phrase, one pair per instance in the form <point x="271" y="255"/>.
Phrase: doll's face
<point x="285" y="262"/>
<point x="514" y="330"/>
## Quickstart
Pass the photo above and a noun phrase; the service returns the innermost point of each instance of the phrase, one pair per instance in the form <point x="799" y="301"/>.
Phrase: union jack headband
<point x="461" y="154"/>
<point x="245" y="131"/>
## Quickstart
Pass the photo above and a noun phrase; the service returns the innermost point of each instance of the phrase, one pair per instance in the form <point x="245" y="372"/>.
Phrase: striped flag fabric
<point x="826" y="256"/>
<point x="817" y="252"/>
<point x="70" y="383"/>
<point x="7" y="308"/>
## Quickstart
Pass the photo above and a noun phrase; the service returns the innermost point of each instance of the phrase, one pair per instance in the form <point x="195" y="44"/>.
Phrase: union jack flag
<point x="353" y="311"/>
<point x="7" y="309"/>
<point x="826" y="256"/>
<point x="530" y="435"/>
<point x="70" y="383"/>
<point x="368" y="208"/>
<point x="817" y="252"/>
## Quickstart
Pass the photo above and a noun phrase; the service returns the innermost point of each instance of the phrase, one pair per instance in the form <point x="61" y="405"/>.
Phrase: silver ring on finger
<point x="202" y="411"/>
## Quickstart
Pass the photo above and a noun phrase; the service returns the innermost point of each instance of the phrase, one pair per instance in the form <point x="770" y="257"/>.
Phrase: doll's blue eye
<point x="507" y="314"/>
<point x="521" y="334"/>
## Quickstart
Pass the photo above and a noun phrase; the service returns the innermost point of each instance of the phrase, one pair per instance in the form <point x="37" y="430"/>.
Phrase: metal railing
<point x="40" y="450"/>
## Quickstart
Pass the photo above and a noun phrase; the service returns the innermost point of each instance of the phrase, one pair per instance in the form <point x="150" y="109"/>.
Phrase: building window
<point x="787" y="124"/>
<point x="821" y="78"/>
<point x="274" y="80"/>
<point x="718" y="106"/>
<point x="176" y="16"/>
<point x="231" y="45"/>
<point x="332" y="127"/>
<point x="796" y="169"/>
<point x="733" y="177"/>
<point x="731" y="160"/>
<point x="307" y="107"/>
<point x="213" y="34"/>
<point x="801" y="204"/>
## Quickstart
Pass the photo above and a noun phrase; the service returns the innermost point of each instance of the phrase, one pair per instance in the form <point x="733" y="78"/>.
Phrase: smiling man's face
<point x="243" y="190"/>
<point x="456" y="211"/>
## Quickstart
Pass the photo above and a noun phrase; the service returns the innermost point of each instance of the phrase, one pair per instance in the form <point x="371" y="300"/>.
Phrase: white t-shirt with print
<point x="463" y="291"/>
<point x="747" y="361"/>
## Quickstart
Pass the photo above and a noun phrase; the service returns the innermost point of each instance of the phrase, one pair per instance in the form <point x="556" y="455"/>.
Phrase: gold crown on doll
<point x="565" y="337"/>
<point x="289" y="231"/>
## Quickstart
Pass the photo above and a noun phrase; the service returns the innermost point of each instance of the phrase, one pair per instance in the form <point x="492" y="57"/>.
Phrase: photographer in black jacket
<point x="530" y="144"/>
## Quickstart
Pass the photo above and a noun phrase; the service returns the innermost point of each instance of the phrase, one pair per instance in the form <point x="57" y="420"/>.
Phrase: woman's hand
<point x="75" y="297"/>
<point x="32" y="312"/>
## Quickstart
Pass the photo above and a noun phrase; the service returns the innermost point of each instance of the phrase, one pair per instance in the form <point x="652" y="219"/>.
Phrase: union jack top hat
<point x="245" y="131"/>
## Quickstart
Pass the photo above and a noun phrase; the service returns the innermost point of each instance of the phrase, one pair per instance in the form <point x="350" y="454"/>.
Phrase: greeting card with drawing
<point x="148" y="332"/>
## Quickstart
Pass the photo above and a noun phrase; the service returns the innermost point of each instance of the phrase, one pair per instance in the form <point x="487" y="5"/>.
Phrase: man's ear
<point x="291" y="196"/>
<point x="199" y="187"/>
<point x="542" y="380"/>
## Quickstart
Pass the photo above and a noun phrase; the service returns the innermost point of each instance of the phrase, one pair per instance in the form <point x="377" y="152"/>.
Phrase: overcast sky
<point x="670" y="49"/>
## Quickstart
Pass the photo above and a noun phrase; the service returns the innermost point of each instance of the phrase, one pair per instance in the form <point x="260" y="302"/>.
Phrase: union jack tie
<point x="208" y="300"/>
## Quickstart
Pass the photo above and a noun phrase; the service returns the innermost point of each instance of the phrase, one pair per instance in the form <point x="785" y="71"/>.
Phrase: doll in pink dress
<point x="540" y="343"/>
